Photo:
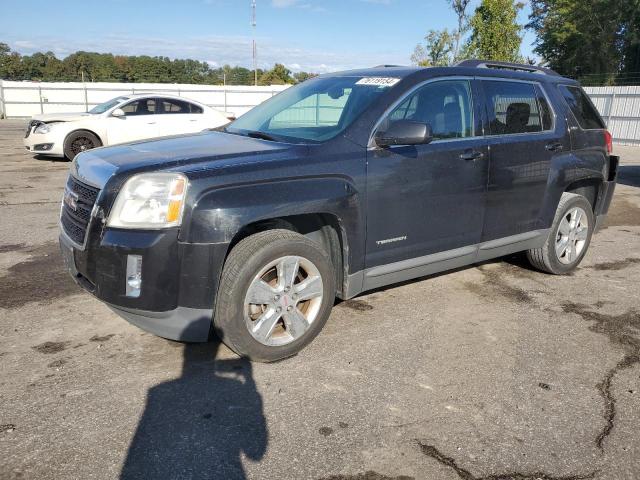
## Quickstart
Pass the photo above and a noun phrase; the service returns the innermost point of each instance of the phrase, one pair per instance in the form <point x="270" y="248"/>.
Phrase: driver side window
<point x="445" y="105"/>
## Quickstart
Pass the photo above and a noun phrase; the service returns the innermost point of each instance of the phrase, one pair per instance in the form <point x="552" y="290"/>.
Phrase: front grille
<point x="75" y="222"/>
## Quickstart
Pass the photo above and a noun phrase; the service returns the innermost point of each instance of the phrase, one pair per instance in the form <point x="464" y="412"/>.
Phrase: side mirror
<point x="118" y="112"/>
<point x="404" y="132"/>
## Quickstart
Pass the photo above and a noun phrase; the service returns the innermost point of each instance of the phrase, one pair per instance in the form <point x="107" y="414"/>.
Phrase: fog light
<point x="43" y="146"/>
<point x="134" y="275"/>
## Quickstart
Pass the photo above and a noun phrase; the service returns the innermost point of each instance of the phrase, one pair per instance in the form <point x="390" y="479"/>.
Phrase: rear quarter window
<point x="582" y="108"/>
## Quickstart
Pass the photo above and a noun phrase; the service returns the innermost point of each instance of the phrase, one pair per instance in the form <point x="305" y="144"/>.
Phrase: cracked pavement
<point x="493" y="372"/>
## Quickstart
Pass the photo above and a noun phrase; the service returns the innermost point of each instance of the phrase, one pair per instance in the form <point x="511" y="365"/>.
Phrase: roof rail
<point x="519" y="67"/>
<point x="387" y="66"/>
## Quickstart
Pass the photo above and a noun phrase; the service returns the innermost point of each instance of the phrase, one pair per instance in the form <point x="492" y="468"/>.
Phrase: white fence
<point x="620" y="108"/>
<point x="24" y="99"/>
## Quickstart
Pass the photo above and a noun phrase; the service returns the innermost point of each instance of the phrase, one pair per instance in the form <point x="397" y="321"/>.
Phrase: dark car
<point x="341" y="184"/>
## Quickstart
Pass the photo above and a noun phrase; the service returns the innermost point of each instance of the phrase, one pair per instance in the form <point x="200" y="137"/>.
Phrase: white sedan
<point x="120" y="120"/>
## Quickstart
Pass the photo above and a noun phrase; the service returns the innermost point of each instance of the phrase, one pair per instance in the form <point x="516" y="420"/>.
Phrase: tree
<point x="460" y="9"/>
<point x="495" y="33"/>
<point x="595" y="40"/>
<point x="436" y="50"/>
<point x="105" y="67"/>
<point x="278" y="75"/>
<point x="302" y="76"/>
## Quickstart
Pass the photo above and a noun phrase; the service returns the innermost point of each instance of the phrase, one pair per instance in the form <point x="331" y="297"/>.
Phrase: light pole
<point x="253" y="29"/>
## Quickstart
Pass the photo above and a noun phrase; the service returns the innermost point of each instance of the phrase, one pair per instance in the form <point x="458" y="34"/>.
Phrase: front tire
<point x="569" y="237"/>
<point x="78" y="142"/>
<point x="276" y="292"/>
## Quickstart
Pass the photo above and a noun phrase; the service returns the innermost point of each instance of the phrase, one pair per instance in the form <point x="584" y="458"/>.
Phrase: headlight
<point x="43" y="128"/>
<point x="150" y="200"/>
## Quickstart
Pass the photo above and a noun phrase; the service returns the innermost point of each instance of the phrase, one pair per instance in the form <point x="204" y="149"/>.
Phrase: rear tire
<point x="569" y="237"/>
<point x="262" y="310"/>
<point x="78" y="142"/>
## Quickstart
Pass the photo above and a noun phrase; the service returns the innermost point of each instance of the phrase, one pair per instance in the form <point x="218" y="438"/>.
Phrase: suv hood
<point x="60" y="117"/>
<point x="179" y="153"/>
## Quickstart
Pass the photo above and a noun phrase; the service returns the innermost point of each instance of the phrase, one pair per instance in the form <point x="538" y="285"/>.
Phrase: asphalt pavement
<point x="491" y="372"/>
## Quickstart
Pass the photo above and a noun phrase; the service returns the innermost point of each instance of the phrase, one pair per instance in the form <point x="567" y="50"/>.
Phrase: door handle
<point x="554" y="147"/>
<point x="471" y="155"/>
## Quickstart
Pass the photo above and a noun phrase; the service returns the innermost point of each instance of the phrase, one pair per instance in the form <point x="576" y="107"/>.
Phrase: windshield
<point x="103" y="107"/>
<point x="313" y="111"/>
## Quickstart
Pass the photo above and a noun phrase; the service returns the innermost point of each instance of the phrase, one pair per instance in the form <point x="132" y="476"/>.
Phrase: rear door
<point x="524" y="135"/>
<point x="139" y="123"/>
<point x="426" y="199"/>
<point x="179" y="116"/>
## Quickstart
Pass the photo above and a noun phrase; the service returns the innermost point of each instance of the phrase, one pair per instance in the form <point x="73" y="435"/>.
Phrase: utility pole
<point x="253" y="29"/>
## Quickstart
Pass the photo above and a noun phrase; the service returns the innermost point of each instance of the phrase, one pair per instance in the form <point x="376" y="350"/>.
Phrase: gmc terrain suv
<point x="341" y="184"/>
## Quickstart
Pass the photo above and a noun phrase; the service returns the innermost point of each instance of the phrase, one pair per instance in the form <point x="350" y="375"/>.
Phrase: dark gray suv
<point x="341" y="184"/>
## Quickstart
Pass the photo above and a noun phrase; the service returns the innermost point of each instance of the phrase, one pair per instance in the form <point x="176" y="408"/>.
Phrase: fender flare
<point x="220" y="213"/>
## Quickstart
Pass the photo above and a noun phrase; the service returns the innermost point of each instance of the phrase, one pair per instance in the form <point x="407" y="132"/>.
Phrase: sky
<point x="310" y="35"/>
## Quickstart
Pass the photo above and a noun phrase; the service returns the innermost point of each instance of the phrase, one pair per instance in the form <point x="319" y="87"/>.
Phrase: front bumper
<point x="35" y="142"/>
<point x="179" y="280"/>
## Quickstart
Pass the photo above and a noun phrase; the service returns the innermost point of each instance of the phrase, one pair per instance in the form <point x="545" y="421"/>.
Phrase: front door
<point x="140" y="122"/>
<point x="425" y="203"/>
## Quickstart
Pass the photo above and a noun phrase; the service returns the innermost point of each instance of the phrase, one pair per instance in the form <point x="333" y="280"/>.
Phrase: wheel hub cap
<point x="572" y="235"/>
<point x="283" y="300"/>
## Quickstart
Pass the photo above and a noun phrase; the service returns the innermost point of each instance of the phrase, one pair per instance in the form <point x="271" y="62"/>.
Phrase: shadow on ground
<point x="201" y="424"/>
<point x="629" y="175"/>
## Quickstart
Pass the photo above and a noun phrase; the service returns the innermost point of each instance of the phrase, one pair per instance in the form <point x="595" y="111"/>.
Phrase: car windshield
<point x="313" y="111"/>
<point x="103" y="107"/>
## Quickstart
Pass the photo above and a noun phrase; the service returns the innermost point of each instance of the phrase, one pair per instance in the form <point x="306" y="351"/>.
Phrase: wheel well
<point x="324" y="229"/>
<point x="588" y="188"/>
<point x="83" y="130"/>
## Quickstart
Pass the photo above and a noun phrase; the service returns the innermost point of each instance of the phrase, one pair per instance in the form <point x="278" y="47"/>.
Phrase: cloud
<point x="216" y="50"/>
<point x="297" y="4"/>
<point x="284" y="3"/>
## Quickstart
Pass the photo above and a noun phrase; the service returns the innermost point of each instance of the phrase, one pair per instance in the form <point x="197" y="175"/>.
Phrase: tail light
<point x="608" y="139"/>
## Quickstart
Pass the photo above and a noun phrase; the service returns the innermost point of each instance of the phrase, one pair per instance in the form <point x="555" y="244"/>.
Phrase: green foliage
<point x="105" y="67"/>
<point x="278" y="75"/>
<point x="597" y="41"/>
<point x="302" y="76"/>
<point x="436" y="51"/>
<point x="495" y="33"/>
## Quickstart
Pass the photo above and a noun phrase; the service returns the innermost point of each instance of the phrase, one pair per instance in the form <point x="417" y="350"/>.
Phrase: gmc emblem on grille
<point x="70" y="199"/>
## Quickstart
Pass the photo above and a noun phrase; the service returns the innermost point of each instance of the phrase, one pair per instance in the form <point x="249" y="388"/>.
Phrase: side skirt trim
<point x="412" y="268"/>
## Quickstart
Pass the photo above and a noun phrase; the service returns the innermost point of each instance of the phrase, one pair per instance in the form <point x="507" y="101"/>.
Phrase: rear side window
<point x="582" y="108"/>
<point x="512" y="108"/>
<point x="144" y="106"/>
<point x="545" y="110"/>
<point x="445" y="105"/>
<point x="179" y="106"/>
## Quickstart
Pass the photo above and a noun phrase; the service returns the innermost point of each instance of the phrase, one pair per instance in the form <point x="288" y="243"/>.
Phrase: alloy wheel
<point x="572" y="235"/>
<point x="283" y="300"/>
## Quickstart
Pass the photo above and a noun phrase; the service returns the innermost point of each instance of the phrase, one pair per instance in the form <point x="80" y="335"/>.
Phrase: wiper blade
<point x="262" y="135"/>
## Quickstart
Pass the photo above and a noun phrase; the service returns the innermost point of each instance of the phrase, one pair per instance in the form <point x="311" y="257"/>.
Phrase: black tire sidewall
<point x="77" y="134"/>
<point x="229" y="319"/>
<point x="555" y="264"/>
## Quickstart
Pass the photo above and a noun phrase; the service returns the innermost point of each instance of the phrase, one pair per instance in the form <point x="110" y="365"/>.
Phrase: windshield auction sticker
<point x="378" y="81"/>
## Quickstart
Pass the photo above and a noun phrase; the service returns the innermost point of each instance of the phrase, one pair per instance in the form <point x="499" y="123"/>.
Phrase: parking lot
<point x="490" y="372"/>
